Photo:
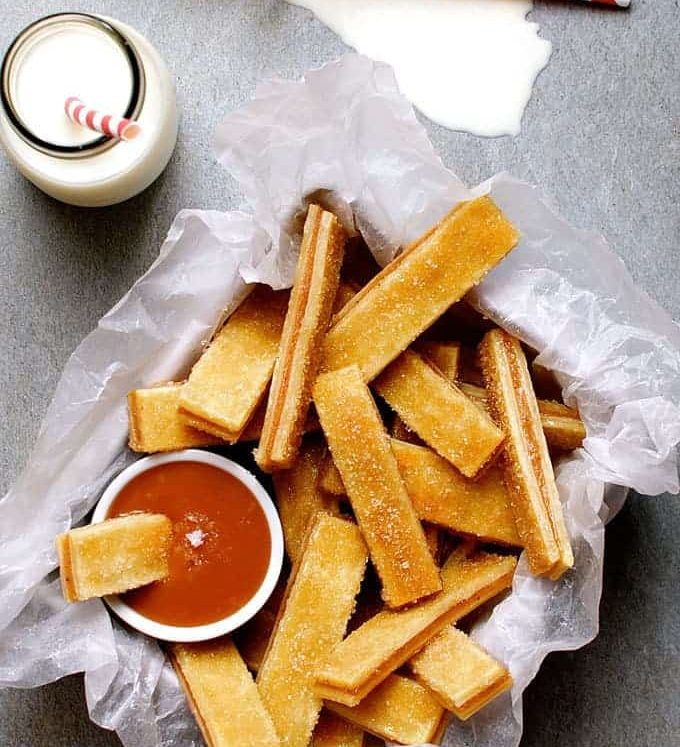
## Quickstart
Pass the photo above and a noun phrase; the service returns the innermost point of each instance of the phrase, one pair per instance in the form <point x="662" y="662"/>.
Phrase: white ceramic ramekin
<point x="241" y="616"/>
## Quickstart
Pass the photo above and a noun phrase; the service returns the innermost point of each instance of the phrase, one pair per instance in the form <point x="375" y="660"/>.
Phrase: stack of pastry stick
<point x="404" y="436"/>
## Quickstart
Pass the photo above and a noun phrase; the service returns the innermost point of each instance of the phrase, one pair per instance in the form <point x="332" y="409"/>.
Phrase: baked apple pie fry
<point x="403" y="300"/>
<point x="228" y="381"/>
<point x="222" y="694"/>
<point x="362" y="453"/>
<point x="335" y="731"/>
<point x="442" y="496"/>
<point x="439" y="413"/>
<point x="309" y="314"/>
<point x="114" y="555"/>
<point x="398" y="710"/>
<point x="299" y="497"/>
<point x="527" y="467"/>
<point x="156" y="425"/>
<point x="319" y="601"/>
<point x="562" y="426"/>
<point x="460" y="673"/>
<point x="389" y="639"/>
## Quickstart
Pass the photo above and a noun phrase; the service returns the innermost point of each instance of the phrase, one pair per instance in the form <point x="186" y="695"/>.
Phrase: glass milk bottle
<point x="113" y="69"/>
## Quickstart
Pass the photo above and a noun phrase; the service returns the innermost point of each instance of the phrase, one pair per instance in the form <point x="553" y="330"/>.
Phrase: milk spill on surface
<point x="467" y="64"/>
<point x="72" y="61"/>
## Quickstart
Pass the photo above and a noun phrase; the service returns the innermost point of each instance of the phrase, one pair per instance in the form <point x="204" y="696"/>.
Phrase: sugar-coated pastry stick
<point x="362" y="453"/>
<point x="399" y="709"/>
<point x="433" y="537"/>
<point x="562" y="426"/>
<point x="439" y="413"/>
<point x="309" y="314"/>
<point x="299" y="497"/>
<point x="114" y="556"/>
<point x="402" y="432"/>
<point x="469" y="368"/>
<point x="252" y="638"/>
<point x="444" y="355"/>
<point x="155" y="422"/>
<point x="253" y="430"/>
<point x="399" y="303"/>
<point x="385" y="642"/>
<point x="319" y="601"/>
<point x="334" y="731"/>
<point x="345" y="293"/>
<point x="222" y="694"/>
<point x="527" y="467"/>
<point x="442" y="496"/>
<point x="329" y="477"/>
<point x="460" y="673"/>
<point x="229" y="380"/>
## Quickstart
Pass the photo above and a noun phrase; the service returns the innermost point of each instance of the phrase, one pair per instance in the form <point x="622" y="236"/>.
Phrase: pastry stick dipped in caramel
<point x="439" y="413"/>
<point x="442" y="496"/>
<point x="527" y="468"/>
<point x="309" y="313"/>
<point x="362" y="453"/>
<point x="114" y="555"/>
<point x="155" y="422"/>
<point x="460" y="673"/>
<point x="299" y="497"/>
<point x="319" y="600"/>
<point x="562" y="426"/>
<point x="399" y="303"/>
<point x="385" y="642"/>
<point x="334" y="731"/>
<point x="222" y="694"/>
<point x="230" y="378"/>
<point x="399" y="710"/>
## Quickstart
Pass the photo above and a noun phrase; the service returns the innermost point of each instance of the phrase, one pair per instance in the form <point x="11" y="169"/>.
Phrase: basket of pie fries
<point x="336" y="470"/>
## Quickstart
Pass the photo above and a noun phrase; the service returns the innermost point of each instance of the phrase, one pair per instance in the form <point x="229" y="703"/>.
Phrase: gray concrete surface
<point x="601" y="134"/>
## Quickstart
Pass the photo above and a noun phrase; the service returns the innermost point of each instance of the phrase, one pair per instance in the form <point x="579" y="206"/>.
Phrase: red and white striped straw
<point x="108" y="124"/>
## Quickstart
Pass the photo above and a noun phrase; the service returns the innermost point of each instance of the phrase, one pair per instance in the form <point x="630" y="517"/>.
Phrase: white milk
<point x="79" y="55"/>
<point x="467" y="64"/>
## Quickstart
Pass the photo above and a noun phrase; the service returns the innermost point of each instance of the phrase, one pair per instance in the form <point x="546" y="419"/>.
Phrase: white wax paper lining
<point x="344" y="136"/>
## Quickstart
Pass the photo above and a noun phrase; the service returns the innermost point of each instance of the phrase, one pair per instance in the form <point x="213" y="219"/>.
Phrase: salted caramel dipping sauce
<point x="221" y="544"/>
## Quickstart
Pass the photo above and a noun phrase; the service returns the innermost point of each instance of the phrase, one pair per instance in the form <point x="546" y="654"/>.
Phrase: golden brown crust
<point x="439" y="413"/>
<point x="387" y="314"/>
<point x="307" y="319"/>
<point x="228" y="381"/>
<point x="114" y="555"/>
<point x="155" y="423"/>
<point x="362" y="453"/>
<point x="222" y="694"/>
<point x="299" y="497"/>
<point x="330" y="480"/>
<point x="459" y="672"/>
<point x="398" y="710"/>
<point x="333" y="731"/>
<point x="319" y="601"/>
<point x="562" y="427"/>
<point x="442" y="496"/>
<point x="385" y="642"/>
<point x="445" y="356"/>
<point x="527" y="467"/>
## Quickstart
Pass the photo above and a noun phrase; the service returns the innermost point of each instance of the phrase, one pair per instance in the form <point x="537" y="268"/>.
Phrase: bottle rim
<point x="97" y="144"/>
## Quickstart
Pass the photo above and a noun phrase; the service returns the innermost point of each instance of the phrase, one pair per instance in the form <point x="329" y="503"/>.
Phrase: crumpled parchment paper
<point x="344" y="136"/>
